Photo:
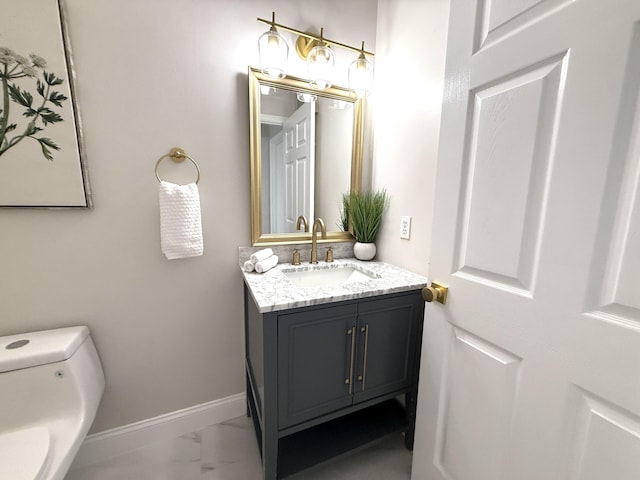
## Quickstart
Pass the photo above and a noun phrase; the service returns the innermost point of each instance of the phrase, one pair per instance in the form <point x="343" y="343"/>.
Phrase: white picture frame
<point x="42" y="157"/>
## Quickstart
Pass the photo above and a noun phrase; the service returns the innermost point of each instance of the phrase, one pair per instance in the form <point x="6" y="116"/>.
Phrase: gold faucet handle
<point x="296" y="257"/>
<point x="329" y="257"/>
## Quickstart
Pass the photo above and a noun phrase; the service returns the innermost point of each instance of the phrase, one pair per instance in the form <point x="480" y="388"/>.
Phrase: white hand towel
<point x="180" y="220"/>
<point x="266" y="264"/>
<point x="248" y="266"/>
<point x="261" y="255"/>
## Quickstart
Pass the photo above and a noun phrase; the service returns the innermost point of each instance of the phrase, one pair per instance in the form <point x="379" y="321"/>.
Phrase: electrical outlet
<point x="405" y="227"/>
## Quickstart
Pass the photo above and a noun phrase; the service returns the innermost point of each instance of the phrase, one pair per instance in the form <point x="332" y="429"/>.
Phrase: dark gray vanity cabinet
<point x="316" y="350"/>
<point x="325" y="379"/>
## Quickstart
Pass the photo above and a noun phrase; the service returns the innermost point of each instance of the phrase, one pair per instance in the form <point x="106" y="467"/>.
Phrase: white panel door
<point x="299" y="165"/>
<point x="276" y="184"/>
<point x="531" y="371"/>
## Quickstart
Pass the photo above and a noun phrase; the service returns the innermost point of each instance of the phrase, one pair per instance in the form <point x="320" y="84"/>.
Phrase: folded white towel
<point x="180" y="220"/>
<point x="261" y="255"/>
<point x="266" y="264"/>
<point x="248" y="266"/>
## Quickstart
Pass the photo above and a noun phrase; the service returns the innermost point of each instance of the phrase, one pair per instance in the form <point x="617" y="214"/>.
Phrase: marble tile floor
<point x="228" y="451"/>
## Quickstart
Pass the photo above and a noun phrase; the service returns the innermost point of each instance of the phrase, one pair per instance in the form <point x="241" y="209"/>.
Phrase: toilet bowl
<point x="51" y="383"/>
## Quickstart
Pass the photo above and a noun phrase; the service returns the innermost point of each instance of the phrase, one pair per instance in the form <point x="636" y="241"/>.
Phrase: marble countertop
<point x="273" y="291"/>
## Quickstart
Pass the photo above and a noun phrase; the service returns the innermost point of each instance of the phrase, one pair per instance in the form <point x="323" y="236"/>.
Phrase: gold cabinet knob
<point x="435" y="292"/>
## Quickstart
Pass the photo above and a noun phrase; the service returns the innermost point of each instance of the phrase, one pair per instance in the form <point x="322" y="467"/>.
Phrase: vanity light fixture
<point x="274" y="51"/>
<point x="320" y="61"/>
<point x="316" y="50"/>
<point x="361" y="75"/>
<point x="306" y="97"/>
<point x="339" y="104"/>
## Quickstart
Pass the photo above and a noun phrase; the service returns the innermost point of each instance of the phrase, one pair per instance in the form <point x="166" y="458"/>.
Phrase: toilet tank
<point x="40" y="348"/>
<point x="52" y="374"/>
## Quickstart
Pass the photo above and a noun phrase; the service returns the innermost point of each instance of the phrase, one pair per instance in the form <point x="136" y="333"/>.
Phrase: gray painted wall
<point x="410" y="52"/>
<point x="151" y="75"/>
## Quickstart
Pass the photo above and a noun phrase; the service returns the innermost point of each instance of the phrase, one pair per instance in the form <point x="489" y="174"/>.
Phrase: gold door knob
<point x="435" y="292"/>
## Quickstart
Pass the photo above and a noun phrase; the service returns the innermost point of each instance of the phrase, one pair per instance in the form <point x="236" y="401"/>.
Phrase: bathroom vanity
<point x="332" y="359"/>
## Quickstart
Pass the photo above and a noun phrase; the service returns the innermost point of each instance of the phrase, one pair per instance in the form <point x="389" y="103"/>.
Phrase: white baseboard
<point x="110" y="443"/>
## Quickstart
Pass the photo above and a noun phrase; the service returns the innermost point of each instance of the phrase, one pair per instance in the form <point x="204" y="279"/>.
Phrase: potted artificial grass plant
<point x="363" y="212"/>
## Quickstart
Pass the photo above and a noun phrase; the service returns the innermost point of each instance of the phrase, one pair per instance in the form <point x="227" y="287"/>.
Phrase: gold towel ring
<point x="177" y="155"/>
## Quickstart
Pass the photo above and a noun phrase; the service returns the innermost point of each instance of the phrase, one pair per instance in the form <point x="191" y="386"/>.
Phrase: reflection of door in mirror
<point x="299" y="164"/>
<point x="275" y="183"/>
<point x="306" y="159"/>
<point x="289" y="163"/>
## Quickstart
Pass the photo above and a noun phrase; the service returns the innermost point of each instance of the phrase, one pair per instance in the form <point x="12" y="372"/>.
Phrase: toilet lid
<point x="24" y="453"/>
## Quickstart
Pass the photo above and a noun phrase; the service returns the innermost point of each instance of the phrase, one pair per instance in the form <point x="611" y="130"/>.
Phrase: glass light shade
<point x="361" y="76"/>
<point x="306" y="97"/>
<point x="267" y="90"/>
<point x="339" y="105"/>
<point x="320" y="63"/>
<point x="274" y="51"/>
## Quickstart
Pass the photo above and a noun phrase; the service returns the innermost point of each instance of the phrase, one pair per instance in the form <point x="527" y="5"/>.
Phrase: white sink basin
<point x="325" y="277"/>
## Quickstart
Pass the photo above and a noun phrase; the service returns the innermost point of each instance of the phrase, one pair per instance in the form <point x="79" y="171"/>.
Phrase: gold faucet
<point x="302" y="220"/>
<point x="314" y="238"/>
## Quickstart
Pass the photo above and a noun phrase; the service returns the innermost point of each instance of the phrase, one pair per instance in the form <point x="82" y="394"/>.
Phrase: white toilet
<point x="51" y="383"/>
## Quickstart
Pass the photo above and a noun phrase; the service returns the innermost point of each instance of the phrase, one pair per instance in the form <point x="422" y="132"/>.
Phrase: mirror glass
<point x="306" y="151"/>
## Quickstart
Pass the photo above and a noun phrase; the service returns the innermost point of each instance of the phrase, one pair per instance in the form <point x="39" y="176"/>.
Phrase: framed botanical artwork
<point x="42" y="160"/>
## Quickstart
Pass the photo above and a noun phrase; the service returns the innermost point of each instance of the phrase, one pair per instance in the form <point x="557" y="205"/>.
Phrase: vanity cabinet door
<point x="315" y="351"/>
<point x="388" y="329"/>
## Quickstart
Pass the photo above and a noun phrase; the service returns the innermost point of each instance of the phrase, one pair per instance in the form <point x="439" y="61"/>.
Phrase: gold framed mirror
<point x="306" y="150"/>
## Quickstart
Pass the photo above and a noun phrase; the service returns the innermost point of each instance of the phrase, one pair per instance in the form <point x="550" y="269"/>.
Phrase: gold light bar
<point x="314" y="37"/>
